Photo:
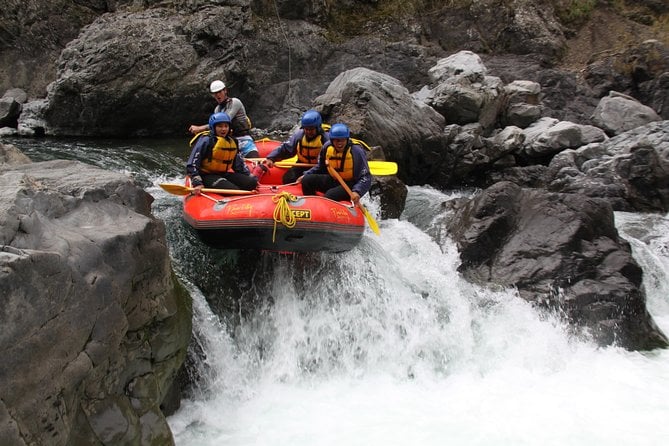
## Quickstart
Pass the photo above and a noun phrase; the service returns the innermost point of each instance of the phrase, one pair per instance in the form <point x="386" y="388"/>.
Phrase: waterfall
<point x="387" y="345"/>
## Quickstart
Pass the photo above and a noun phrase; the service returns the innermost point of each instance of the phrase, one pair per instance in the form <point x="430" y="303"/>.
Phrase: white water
<point x="390" y="347"/>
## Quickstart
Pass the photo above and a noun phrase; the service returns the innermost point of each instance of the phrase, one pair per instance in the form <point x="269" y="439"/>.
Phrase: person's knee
<point x="308" y="185"/>
<point x="336" y="194"/>
<point x="331" y="195"/>
<point x="289" y="177"/>
<point x="220" y="183"/>
<point x="252" y="183"/>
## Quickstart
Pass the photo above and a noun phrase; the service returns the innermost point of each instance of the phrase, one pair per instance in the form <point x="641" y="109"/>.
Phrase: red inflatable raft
<point x="275" y="217"/>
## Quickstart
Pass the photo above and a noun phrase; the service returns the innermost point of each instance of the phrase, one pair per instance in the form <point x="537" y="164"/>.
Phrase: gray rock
<point x="547" y="137"/>
<point x="10" y="155"/>
<point x="380" y="111"/>
<point x="464" y="64"/>
<point x="18" y="94"/>
<point x="10" y="110"/>
<point x="618" y="113"/>
<point x="31" y="121"/>
<point x="522" y="103"/>
<point x="392" y="193"/>
<point x="122" y="67"/>
<point x="562" y="252"/>
<point x="462" y="91"/>
<point x="88" y="297"/>
<point x="521" y="115"/>
<point x="630" y="171"/>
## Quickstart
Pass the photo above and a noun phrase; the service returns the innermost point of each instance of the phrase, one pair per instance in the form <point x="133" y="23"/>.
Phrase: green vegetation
<point x="661" y="29"/>
<point x="574" y="12"/>
<point x="361" y="18"/>
<point x="358" y="18"/>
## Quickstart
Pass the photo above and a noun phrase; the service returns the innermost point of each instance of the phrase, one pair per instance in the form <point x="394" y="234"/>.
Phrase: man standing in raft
<point x="213" y="154"/>
<point x="241" y="124"/>
<point x="348" y="160"/>
<point x="306" y="143"/>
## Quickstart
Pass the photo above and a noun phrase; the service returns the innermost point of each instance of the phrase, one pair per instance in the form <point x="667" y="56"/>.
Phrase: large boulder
<point x="618" y="113"/>
<point x="522" y="103"/>
<point x="380" y="110"/>
<point x="630" y="171"/>
<point x="462" y="91"/>
<point x="10" y="110"/>
<point x="94" y="324"/>
<point x="562" y="252"/>
<point x="10" y="155"/>
<point x="547" y="137"/>
<point x="33" y="34"/>
<point x="468" y="98"/>
<point x="114" y="78"/>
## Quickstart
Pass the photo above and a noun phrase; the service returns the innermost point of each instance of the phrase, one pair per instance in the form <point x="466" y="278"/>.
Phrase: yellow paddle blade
<point x="176" y="189"/>
<point x="179" y="189"/>
<point x="382" y="168"/>
<point x="370" y="220"/>
<point x="377" y="168"/>
<point x="374" y="226"/>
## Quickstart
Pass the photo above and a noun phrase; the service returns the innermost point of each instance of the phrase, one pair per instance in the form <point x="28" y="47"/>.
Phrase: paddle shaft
<point x="179" y="189"/>
<point x="376" y="168"/>
<point x="370" y="220"/>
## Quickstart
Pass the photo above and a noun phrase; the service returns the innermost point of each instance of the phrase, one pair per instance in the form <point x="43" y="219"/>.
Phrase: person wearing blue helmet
<point x="348" y="159"/>
<point x="215" y="160"/>
<point x="240" y="122"/>
<point x="306" y="143"/>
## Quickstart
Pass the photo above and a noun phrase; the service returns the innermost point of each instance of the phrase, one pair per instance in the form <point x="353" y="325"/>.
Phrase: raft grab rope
<point x="282" y="212"/>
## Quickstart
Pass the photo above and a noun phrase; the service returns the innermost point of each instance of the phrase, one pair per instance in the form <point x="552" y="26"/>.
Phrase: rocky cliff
<point x="141" y="68"/>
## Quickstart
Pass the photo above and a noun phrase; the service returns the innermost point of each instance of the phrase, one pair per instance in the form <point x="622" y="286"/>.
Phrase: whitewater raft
<point x="275" y="217"/>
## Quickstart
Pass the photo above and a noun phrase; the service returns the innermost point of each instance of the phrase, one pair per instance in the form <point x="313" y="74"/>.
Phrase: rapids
<point x="386" y="344"/>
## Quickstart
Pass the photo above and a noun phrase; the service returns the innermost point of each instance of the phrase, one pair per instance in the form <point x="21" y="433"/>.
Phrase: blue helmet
<point x="217" y="118"/>
<point x="311" y="118"/>
<point x="339" y="131"/>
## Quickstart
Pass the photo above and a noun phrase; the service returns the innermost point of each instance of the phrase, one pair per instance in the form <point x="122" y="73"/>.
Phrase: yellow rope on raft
<point x="282" y="212"/>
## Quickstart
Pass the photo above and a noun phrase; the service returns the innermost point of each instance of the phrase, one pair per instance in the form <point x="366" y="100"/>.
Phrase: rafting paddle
<point x="370" y="220"/>
<point x="178" y="189"/>
<point x="377" y="168"/>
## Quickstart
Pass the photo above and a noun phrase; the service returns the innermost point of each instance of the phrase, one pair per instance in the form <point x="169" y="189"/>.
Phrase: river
<point x="386" y="344"/>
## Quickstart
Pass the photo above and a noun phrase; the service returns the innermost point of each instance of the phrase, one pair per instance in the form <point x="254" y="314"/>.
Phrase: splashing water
<point x="387" y="345"/>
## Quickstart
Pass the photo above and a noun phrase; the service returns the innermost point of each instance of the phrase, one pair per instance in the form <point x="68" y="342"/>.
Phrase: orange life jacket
<point x="341" y="162"/>
<point x="221" y="156"/>
<point x="307" y="151"/>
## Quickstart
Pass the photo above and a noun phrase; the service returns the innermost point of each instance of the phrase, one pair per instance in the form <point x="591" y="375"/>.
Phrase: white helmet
<point x="216" y="86"/>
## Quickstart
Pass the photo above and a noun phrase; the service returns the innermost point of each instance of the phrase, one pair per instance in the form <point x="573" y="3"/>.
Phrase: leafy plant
<point x="575" y="12"/>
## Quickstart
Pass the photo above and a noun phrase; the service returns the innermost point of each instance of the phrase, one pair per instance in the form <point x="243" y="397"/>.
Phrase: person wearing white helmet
<point x="216" y="86"/>
<point x="241" y="124"/>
